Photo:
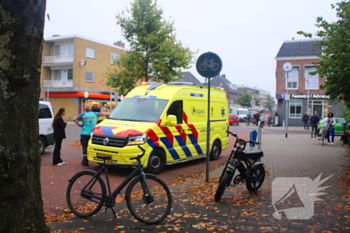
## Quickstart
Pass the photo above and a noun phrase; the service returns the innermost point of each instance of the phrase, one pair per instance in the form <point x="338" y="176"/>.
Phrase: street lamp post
<point x="287" y="67"/>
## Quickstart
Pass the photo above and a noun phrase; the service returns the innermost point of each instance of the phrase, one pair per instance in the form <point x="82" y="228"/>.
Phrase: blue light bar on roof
<point x="181" y="83"/>
<point x="154" y="86"/>
<point x="145" y="96"/>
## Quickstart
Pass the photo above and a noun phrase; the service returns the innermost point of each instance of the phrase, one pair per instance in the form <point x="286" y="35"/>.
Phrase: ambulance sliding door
<point x="175" y="138"/>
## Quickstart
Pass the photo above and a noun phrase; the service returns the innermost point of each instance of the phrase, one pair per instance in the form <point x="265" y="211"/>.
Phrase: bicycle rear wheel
<point x="85" y="202"/>
<point x="224" y="183"/>
<point x="150" y="205"/>
<point x="256" y="178"/>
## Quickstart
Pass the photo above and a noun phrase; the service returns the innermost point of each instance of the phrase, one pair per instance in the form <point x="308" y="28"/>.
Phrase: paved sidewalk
<point x="194" y="209"/>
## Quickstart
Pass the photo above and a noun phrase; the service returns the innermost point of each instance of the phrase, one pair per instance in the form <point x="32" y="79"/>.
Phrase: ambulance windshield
<point x="139" y="109"/>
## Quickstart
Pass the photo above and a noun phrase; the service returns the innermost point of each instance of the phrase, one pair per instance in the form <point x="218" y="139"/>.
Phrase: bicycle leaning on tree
<point x="148" y="198"/>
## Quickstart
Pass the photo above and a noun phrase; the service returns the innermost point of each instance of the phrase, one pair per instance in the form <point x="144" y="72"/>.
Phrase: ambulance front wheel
<point x="156" y="162"/>
<point x="215" y="150"/>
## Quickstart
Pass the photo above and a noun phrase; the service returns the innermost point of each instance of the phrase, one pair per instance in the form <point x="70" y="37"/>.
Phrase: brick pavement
<point x="240" y="211"/>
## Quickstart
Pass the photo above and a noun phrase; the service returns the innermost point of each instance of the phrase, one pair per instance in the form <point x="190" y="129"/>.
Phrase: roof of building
<point x="69" y="37"/>
<point x="299" y="48"/>
<point x="221" y="81"/>
<point x="189" y="77"/>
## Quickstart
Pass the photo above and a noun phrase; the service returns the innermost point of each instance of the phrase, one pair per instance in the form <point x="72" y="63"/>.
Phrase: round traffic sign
<point x="209" y="65"/>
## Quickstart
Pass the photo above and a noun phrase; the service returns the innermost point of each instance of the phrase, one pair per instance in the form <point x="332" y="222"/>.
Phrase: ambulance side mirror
<point x="171" y="120"/>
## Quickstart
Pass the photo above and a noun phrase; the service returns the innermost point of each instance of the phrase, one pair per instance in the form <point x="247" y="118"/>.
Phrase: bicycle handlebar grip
<point x="235" y="135"/>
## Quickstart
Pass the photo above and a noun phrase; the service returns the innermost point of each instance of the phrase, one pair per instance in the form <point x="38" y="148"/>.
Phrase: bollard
<point x="259" y="135"/>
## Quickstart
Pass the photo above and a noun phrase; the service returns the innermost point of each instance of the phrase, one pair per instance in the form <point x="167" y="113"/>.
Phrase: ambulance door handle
<point x="190" y="129"/>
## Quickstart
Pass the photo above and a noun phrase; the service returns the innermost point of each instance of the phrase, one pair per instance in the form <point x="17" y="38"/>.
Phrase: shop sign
<point x="310" y="96"/>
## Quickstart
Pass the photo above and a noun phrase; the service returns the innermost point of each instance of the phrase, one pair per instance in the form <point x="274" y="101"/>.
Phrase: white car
<point x="46" y="116"/>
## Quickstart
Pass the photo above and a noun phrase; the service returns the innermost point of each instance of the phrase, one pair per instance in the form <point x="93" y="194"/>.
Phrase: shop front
<point x="298" y="104"/>
<point x="74" y="102"/>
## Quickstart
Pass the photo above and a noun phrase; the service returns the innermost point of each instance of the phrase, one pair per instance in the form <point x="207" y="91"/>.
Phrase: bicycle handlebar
<point x="139" y="156"/>
<point x="245" y="141"/>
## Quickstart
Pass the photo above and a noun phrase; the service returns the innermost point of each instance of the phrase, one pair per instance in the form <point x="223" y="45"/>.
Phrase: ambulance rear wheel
<point x="215" y="150"/>
<point x="156" y="162"/>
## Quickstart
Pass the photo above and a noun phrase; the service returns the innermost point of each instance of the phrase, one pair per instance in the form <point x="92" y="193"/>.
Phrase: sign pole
<point x="209" y="65"/>
<point x="208" y="135"/>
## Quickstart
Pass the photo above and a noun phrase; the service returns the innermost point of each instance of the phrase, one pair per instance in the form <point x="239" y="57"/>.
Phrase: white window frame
<point x="86" y="77"/>
<point x="114" y="56"/>
<point x="90" y="52"/>
<point x="294" y="77"/>
<point x="297" y="104"/>
<point x="315" y="78"/>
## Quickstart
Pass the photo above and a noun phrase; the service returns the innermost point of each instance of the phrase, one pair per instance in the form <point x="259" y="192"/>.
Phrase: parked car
<point x="338" y="128"/>
<point x="46" y="116"/>
<point x="233" y="119"/>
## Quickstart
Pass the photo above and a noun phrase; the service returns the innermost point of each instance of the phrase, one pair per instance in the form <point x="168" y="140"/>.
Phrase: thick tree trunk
<point x="21" y="35"/>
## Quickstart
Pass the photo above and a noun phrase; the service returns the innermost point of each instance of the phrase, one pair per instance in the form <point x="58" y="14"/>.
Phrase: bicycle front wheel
<point x="149" y="205"/>
<point x="224" y="183"/>
<point x="85" y="202"/>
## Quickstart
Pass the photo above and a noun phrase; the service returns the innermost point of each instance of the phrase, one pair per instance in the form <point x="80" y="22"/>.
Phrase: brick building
<point x="302" y="87"/>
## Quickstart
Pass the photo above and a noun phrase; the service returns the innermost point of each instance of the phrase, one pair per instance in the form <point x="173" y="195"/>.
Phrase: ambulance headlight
<point x="137" y="140"/>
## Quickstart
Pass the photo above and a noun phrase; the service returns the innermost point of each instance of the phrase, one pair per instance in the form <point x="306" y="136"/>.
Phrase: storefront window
<point x="295" y="108"/>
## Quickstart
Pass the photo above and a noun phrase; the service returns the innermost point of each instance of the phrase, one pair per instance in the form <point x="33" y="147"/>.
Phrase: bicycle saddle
<point x="253" y="154"/>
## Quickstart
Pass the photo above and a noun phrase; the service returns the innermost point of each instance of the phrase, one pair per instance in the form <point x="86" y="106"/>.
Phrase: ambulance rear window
<point x="139" y="109"/>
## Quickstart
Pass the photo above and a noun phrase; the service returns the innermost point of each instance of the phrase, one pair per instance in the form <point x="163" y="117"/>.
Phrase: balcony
<point x="57" y="60"/>
<point x="57" y="83"/>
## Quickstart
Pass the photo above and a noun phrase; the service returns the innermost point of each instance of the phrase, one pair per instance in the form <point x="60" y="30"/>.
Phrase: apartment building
<point x="299" y="85"/>
<point x="73" y="70"/>
<point x="254" y="92"/>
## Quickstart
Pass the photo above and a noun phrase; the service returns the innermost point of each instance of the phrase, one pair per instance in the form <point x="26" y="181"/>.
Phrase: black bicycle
<point x="147" y="197"/>
<point x="251" y="170"/>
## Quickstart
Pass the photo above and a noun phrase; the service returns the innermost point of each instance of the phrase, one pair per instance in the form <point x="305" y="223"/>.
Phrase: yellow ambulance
<point x="168" y="120"/>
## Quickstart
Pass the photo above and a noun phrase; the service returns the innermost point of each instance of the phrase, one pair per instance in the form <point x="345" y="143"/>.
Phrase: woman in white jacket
<point x="329" y="127"/>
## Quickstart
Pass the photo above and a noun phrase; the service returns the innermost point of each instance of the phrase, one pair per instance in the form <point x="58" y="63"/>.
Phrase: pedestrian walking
<point x="329" y="127"/>
<point x="59" y="134"/>
<point x="314" y="119"/>
<point x="269" y="119"/>
<point x="306" y="119"/>
<point x="88" y="122"/>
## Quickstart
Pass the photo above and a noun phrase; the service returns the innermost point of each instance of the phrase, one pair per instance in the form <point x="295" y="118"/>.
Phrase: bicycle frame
<point x="238" y="160"/>
<point x="111" y="196"/>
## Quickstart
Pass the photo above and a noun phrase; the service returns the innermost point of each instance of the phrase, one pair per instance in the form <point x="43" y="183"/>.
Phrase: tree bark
<point x="21" y="36"/>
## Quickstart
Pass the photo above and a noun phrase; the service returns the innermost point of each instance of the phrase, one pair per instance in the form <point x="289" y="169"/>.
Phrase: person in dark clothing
<point x="314" y="119"/>
<point x="256" y="118"/>
<point x="306" y="119"/>
<point x="59" y="134"/>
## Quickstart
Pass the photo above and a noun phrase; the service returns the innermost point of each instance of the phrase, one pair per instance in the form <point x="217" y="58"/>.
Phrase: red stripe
<point x="182" y="133"/>
<point x="194" y="131"/>
<point x="184" y="116"/>
<point x="129" y="132"/>
<point x="166" y="132"/>
<point x="154" y="138"/>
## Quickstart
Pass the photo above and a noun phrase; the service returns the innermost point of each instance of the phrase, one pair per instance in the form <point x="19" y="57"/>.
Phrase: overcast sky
<point x="245" y="34"/>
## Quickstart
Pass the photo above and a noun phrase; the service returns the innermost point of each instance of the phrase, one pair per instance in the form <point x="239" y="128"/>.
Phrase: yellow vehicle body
<point x="169" y="121"/>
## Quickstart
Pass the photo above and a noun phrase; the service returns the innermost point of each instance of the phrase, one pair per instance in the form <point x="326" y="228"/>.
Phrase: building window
<point x="292" y="80"/>
<point x="114" y="56"/>
<point x="311" y="81"/>
<point x="90" y="53"/>
<point x="64" y="50"/>
<point x="63" y="75"/>
<point x="89" y="77"/>
<point x="295" y="108"/>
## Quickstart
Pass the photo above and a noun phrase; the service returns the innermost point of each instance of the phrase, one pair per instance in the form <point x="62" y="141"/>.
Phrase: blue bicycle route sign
<point x="209" y="65"/>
